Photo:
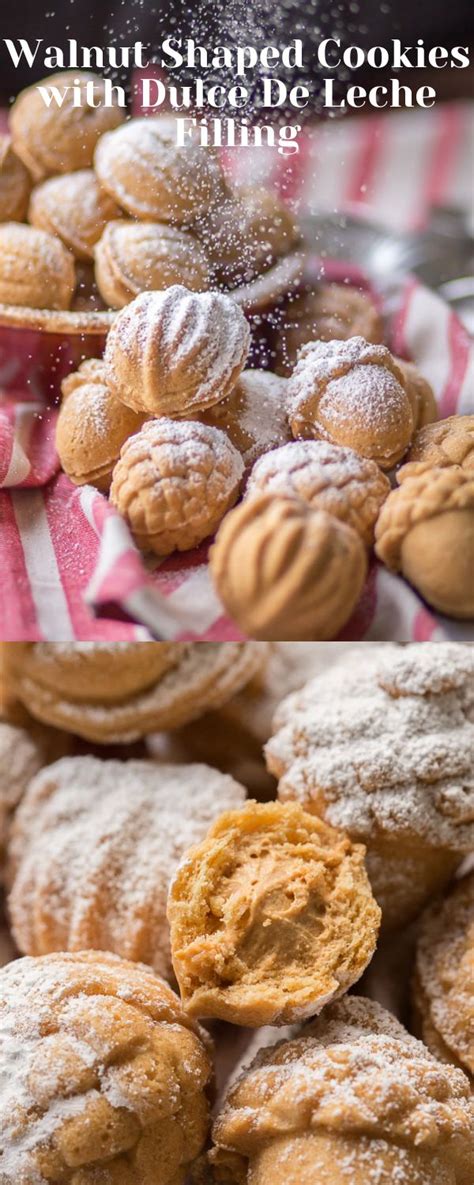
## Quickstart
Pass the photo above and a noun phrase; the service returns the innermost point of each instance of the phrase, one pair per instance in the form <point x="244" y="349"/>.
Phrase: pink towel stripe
<point x="425" y="626"/>
<point x="18" y="619"/>
<point x="398" y="337"/>
<point x="444" y="151"/>
<point x="371" y="133"/>
<point x="460" y="348"/>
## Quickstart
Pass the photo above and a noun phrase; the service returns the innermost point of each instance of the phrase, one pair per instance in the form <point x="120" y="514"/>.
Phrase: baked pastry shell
<point x="47" y="345"/>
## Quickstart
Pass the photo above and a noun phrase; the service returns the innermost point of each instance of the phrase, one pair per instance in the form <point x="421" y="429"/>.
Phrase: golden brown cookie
<point x="74" y="208"/>
<point x="420" y="394"/>
<point x="271" y="916"/>
<point x="286" y="572"/>
<point x="91" y="428"/>
<point x="89" y="671"/>
<point x="329" y="312"/>
<point x="174" y="482"/>
<point x="443" y="987"/>
<point x="15" y="184"/>
<point x="134" y="257"/>
<point x="353" y="1099"/>
<point x="20" y="759"/>
<point x="326" y="477"/>
<point x="382" y="746"/>
<point x="176" y="352"/>
<point x="449" y="442"/>
<point x="8" y="951"/>
<point x="426" y="532"/>
<point x="94" y="849"/>
<point x="150" y="176"/>
<point x="92" y="370"/>
<point x="114" y="1082"/>
<point x="87" y="298"/>
<point x="61" y="139"/>
<point x="254" y="415"/>
<point x="118" y="692"/>
<point x="232" y="737"/>
<point x="246" y="233"/>
<point x="36" y="270"/>
<point x="353" y="394"/>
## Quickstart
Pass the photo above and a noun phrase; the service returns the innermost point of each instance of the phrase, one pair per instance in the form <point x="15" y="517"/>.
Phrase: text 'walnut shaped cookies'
<point x="271" y="916"/>
<point x="174" y="482"/>
<point x="385" y="752"/>
<point x="352" y="1099"/>
<point x="95" y="846"/>
<point x="176" y="352"/>
<point x="286" y="571"/>
<point x="426" y="532"/>
<point x="104" y="1077"/>
<point x="117" y="692"/>
<point x="357" y="395"/>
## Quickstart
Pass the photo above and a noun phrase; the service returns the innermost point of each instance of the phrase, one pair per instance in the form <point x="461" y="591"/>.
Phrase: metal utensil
<point x="441" y="255"/>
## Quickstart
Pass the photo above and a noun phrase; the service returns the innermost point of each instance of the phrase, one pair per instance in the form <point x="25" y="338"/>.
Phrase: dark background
<point x="371" y="22"/>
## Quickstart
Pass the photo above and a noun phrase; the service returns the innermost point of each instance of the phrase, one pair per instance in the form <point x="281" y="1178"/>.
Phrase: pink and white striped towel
<point x="69" y="567"/>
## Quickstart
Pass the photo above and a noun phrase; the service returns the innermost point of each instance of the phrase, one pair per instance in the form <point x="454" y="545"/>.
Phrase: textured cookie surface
<point x="358" y="1076"/>
<point x="104" y="1078"/>
<point x="20" y="760"/>
<point x="95" y="846"/>
<point x="354" y="394"/>
<point x="327" y="477"/>
<point x="176" y="352"/>
<point x="385" y="746"/>
<point x="174" y="482"/>
<point x="383" y="749"/>
<point x="444" y="978"/>
<point x="200" y="676"/>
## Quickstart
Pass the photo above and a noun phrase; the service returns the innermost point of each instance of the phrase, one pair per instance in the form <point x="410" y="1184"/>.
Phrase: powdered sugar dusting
<point x="375" y="760"/>
<point x="196" y="342"/>
<point x="185" y="445"/>
<point x="360" y="394"/>
<point x="71" y="1029"/>
<point x="350" y="383"/>
<point x="353" y="1071"/>
<point x="313" y="464"/>
<point x="97" y="843"/>
<point x="20" y="759"/>
<point x="324" y="361"/>
<point x="445" y="970"/>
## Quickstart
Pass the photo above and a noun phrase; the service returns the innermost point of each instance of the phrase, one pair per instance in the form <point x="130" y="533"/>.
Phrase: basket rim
<point x="54" y="321"/>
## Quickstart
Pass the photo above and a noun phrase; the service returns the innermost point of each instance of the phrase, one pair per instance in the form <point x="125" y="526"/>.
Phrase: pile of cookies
<point x="148" y="893"/>
<point x="114" y="208"/>
<point x="176" y="426"/>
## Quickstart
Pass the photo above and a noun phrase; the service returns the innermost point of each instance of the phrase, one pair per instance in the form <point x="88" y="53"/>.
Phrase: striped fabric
<point x="68" y="566"/>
